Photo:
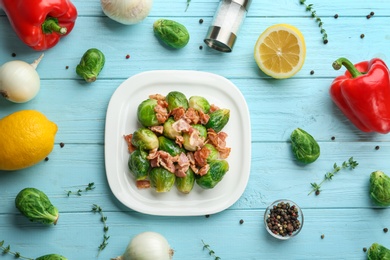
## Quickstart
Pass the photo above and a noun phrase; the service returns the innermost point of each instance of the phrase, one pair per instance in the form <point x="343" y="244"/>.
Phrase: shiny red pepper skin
<point x="27" y="16"/>
<point x="365" y="98"/>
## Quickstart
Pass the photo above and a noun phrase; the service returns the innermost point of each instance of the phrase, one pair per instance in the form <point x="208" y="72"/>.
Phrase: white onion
<point x="127" y="11"/>
<point x="147" y="246"/>
<point x="19" y="80"/>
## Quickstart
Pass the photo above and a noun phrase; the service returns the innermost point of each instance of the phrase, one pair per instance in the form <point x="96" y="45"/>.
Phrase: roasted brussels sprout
<point x="217" y="170"/>
<point x="90" y="65"/>
<point x="171" y="33"/>
<point x="305" y="148"/>
<point x="144" y="139"/>
<point x="176" y="99"/>
<point x="161" y="179"/>
<point x="185" y="184"/>
<point x="192" y="144"/>
<point x="378" y="252"/>
<point x="218" y="119"/>
<point x="36" y="206"/>
<point x="146" y="114"/>
<point x="199" y="103"/>
<point x="380" y="188"/>
<point x="169" y="131"/>
<point x="169" y="146"/>
<point x="139" y="165"/>
<point x="52" y="257"/>
<point x="214" y="153"/>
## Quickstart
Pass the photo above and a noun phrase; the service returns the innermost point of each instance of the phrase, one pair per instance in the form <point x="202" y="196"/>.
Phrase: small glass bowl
<point x="283" y="231"/>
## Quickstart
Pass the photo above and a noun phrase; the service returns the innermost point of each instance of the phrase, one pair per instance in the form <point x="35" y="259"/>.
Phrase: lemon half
<point x="280" y="51"/>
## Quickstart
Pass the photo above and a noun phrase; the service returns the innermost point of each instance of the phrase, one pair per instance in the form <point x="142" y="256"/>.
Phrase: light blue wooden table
<point x="343" y="212"/>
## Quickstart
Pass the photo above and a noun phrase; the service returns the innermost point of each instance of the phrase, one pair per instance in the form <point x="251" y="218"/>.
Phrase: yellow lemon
<point x="26" y="138"/>
<point x="280" y="51"/>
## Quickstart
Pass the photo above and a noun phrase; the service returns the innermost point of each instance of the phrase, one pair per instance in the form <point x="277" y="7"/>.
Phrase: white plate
<point x="121" y="120"/>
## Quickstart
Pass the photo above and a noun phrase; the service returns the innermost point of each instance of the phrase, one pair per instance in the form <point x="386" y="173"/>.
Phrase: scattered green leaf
<point x="90" y="187"/>
<point x="310" y="8"/>
<point x="98" y="209"/>
<point x="211" y="252"/>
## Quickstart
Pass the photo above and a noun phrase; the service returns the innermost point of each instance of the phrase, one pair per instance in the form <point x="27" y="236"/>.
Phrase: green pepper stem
<point x="337" y="64"/>
<point x="51" y="25"/>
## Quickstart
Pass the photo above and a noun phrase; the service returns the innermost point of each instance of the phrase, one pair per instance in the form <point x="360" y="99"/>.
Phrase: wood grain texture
<point x="343" y="212"/>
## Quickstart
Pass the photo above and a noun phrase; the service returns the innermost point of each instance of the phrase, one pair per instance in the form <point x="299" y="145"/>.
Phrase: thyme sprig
<point x="350" y="164"/>
<point x="7" y="250"/>
<point x="309" y="7"/>
<point x="103" y="219"/>
<point x="211" y="252"/>
<point x="89" y="187"/>
<point x="188" y="4"/>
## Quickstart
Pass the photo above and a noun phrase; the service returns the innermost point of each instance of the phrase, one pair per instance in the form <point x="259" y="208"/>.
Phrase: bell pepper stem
<point x="337" y="64"/>
<point x="51" y="25"/>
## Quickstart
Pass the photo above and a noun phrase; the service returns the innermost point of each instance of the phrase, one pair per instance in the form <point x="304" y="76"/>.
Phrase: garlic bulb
<point x="127" y="11"/>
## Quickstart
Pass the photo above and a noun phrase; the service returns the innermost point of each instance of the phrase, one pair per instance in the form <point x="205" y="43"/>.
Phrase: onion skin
<point x="147" y="246"/>
<point x="127" y="11"/>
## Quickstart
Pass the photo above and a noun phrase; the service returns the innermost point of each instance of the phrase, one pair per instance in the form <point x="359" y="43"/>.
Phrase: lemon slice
<point x="280" y="51"/>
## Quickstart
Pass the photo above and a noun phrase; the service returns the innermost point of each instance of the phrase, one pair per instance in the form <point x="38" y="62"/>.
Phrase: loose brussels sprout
<point x="169" y="146"/>
<point x="176" y="99"/>
<point x="90" y="65"/>
<point x="380" y="188"/>
<point x="214" y="153"/>
<point x="144" y="139"/>
<point x="218" y="119"/>
<point x="52" y="257"/>
<point x="171" y="33"/>
<point x="161" y="179"/>
<point x="378" y="252"/>
<point x="146" y="114"/>
<point x="185" y="184"/>
<point x="36" y="206"/>
<point x="169" y="131"/>
<point x="305" y="148"/>
<point x="217" y="170"/>
<point x="199" y="103"/>
<point x="192" y="144"/>
<point x="139" y="165"/>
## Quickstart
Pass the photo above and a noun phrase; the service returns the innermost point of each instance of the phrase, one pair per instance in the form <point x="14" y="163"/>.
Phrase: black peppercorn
<point x="336" y="16"/>
<point x="364" y="249"/>
<point x="377" y="147"/>
<point x="325" y="41"/>
<point x="333" y="138"/>
<point x="46" y="159"/>
<point x="322" y="236"/>
<point x="200" y="47"/>
<point x="362" y="35"/>
<point x="372" y="13"/>
<point x="13" y="54"/>
<point x="62" y="145"/>
<point x="385" y="230"/>
<point x="241" y="221"/>
<point x="207" y="216"/>
<point x="282" y="219"/>
<point x="200" y="21"/>
<point x="368" y="16"/>
<point x="311" y="72"/>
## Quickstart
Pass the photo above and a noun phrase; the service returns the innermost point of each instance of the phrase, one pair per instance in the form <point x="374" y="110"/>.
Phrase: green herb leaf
<point x="103" y="219"/>
<point x="310" y="8"/>
<point x="350" y="164"/>
<point x="79" y="192"/>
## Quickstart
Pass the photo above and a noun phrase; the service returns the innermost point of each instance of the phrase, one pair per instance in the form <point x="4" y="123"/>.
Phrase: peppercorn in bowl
<point x="283" y="219"/>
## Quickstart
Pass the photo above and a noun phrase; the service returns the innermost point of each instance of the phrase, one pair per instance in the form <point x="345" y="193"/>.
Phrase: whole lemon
<point x="26" y="138"/>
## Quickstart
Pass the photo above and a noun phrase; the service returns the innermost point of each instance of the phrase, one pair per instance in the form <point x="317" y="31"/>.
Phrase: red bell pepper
<point x="40" y="23"/>
<point x="363" y="94"/>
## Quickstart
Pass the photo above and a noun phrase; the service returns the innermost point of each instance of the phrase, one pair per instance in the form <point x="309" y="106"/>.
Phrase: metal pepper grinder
<point x="227" y="21"/>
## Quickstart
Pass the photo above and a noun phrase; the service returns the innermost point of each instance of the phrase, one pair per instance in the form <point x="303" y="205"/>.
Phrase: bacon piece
<point x="178" y="113"/>
<point x="204" y="118"/>
<point x="195" y="139"/>
<point x="181" y="125"/>
<point x="157" y="97"/>
<point x="201" y="156"/>
<point x="161" y="110"/>
<point x="161" y="158"/>
<point x="143" y="184"/>
<point x="202" y="171"/>
<point x="159" y="129"/>
<point x="192" y="116"/>
<point x="213" y="108"/>
<point x="182" y="166"/>
<point x="130" y="147"/>
<point x="219" y="141"/>
<point x="179" y="140"/>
